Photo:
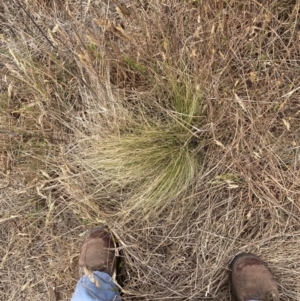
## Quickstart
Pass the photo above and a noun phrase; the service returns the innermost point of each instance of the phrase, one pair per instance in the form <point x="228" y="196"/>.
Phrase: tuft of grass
<point x="155" y="156"/>
<point x="156" y="163"/>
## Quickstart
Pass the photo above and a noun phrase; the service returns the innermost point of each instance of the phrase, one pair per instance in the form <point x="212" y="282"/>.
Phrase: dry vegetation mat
<point x="175" y="123"/>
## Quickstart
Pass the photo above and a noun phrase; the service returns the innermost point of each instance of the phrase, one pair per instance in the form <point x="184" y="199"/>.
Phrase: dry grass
<point x="176" y="124"/>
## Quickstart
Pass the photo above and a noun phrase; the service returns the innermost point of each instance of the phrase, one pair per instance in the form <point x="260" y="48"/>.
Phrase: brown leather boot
<point x="98" y="252"/>
<point x="252" y="280"/>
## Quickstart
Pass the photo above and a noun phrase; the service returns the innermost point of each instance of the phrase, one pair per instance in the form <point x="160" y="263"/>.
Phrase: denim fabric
<point x="101" y="288"/>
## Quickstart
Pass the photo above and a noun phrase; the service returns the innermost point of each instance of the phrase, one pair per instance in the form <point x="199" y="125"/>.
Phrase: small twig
<point x="53" y="292"/>
<point x="8" y="133"/>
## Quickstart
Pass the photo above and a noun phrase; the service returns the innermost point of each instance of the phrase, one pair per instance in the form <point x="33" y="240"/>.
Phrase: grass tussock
<point x="156" y="169"/>
<point x="174" y="123"/>
<point x="154" y="155"/>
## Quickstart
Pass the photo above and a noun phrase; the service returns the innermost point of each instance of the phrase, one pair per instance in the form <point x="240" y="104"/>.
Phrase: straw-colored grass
<point x="175" y="123"/>
<point x="154" y="156"/>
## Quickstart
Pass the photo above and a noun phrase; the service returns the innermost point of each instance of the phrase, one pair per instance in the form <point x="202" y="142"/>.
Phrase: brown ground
<point x="71" y="72"/>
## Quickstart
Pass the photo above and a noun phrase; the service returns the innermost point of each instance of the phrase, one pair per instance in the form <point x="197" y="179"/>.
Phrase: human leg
<point x="97" y="286"/>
